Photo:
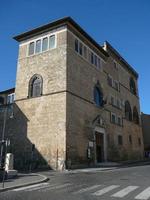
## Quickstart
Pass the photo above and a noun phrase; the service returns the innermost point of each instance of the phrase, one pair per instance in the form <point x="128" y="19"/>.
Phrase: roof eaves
<point x="45" y="27"/>
<point x="60" y="22"/>
<point x="82" y="31"/>
<point x="121" y="59"/>
<point x="7" y="91"/>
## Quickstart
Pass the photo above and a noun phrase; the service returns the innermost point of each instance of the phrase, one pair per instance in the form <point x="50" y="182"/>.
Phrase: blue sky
<point x="125" y="24"/>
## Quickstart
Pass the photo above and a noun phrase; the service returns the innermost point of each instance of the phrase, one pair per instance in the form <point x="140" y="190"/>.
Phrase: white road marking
<point x="91" y="170"/>
<point x="144" y="195"/>
<point x="105" y="190"/>
<point x="125" y="191"/>
<point x="39" y="188"/>
<point x="86" y="189"/>
<point x="57" y="187"/>
<point x="30" y="186"/>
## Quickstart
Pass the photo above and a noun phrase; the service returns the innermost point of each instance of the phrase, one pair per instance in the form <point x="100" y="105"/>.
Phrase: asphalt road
<point x="125" y="183"/>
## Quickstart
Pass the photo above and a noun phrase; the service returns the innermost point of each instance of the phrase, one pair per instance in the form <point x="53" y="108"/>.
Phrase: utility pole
<point x="3" y="134"/>
<point x="4" y="125"/>
<point x="32" y="153"/>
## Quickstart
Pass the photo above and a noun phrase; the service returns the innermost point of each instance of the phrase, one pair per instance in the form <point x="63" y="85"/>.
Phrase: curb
<point x="45" y="179"/>
<point x="134" y="164"/>
<point x="108" y="168"/>
<point x="93" y="170"/>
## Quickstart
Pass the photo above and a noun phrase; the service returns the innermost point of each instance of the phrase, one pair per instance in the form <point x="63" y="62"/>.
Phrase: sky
<point x="123" y="23"/>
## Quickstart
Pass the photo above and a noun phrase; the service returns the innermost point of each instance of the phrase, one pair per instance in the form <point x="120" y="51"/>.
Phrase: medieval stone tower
<point x="41" y="90"/>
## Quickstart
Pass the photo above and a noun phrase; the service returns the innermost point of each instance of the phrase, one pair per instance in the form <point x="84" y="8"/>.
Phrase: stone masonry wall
<point x="42" y="119"/>
<point x="81" y="110"/>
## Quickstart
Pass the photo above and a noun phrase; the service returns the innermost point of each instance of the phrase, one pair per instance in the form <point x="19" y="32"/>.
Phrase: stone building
<point x="145" y="118"/>
<point x="76" y="102"/>
<point x="7" y="98"/>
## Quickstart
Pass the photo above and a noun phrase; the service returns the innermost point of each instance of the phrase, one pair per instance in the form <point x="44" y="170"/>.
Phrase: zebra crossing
<point x="125" y="191"/>
<point x="105" y="190"/>
<point x="116" y="191"/>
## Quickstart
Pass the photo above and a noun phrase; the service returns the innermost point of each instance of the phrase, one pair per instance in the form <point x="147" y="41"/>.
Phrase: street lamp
<point x="3" y="134"/>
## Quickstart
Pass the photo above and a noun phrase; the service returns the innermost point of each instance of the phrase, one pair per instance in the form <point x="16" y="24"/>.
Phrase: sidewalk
<point x="107" y="166"/>
<point x="22" y="180"/>
<point x="136" y="162"/>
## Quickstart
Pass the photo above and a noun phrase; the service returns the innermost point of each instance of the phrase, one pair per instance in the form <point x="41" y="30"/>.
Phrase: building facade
<point x="76" y="103"/>
<point x="7" y="98"/>
<point x="146" y="133"/>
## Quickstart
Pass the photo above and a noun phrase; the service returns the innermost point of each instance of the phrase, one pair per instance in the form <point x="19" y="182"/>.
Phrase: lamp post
<point x="3" y="134"/>
<point x="3" y="145"/>
<point x="4" y="123"/>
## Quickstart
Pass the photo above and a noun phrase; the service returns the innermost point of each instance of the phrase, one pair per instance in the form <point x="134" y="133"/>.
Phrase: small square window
<point x="1" y="100"/>
<point x="120" y="140"/>
<point x="76" y="45"/>
<point x="118" y="103"/>
<point x="116" y="85"/>
<point x="92" y="58"/>
<point x="112" y="100"/>
<point x="95" y="60"/>
<point x="45" y="44"/>
<point x="13" y="98"/>
<point x="89" y="55"/>
<point x="38" y="46"/>
<point x="113" y="118"/>
<point x="80" y="48"/>
<point x="130" y="139"/>
<point x="115" y="65"/>
<point x="10" y="98"/>
<point x="31" y="48"/>
<point x="99" y="63"/>
<point x="119" y="121"/>
<point x="110" y="81"/>
<point x="52" y="41"/>
<point x="85" y="52"/>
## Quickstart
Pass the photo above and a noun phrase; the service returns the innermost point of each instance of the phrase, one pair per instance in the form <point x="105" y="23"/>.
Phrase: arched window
<point x="1" y="100"/>
<point x="98" y="96"/>
<point x="135" y="115"/>
<point x="35" y="86"/>
<point x="132" y="86"/>
<point x="128" y="111"/>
